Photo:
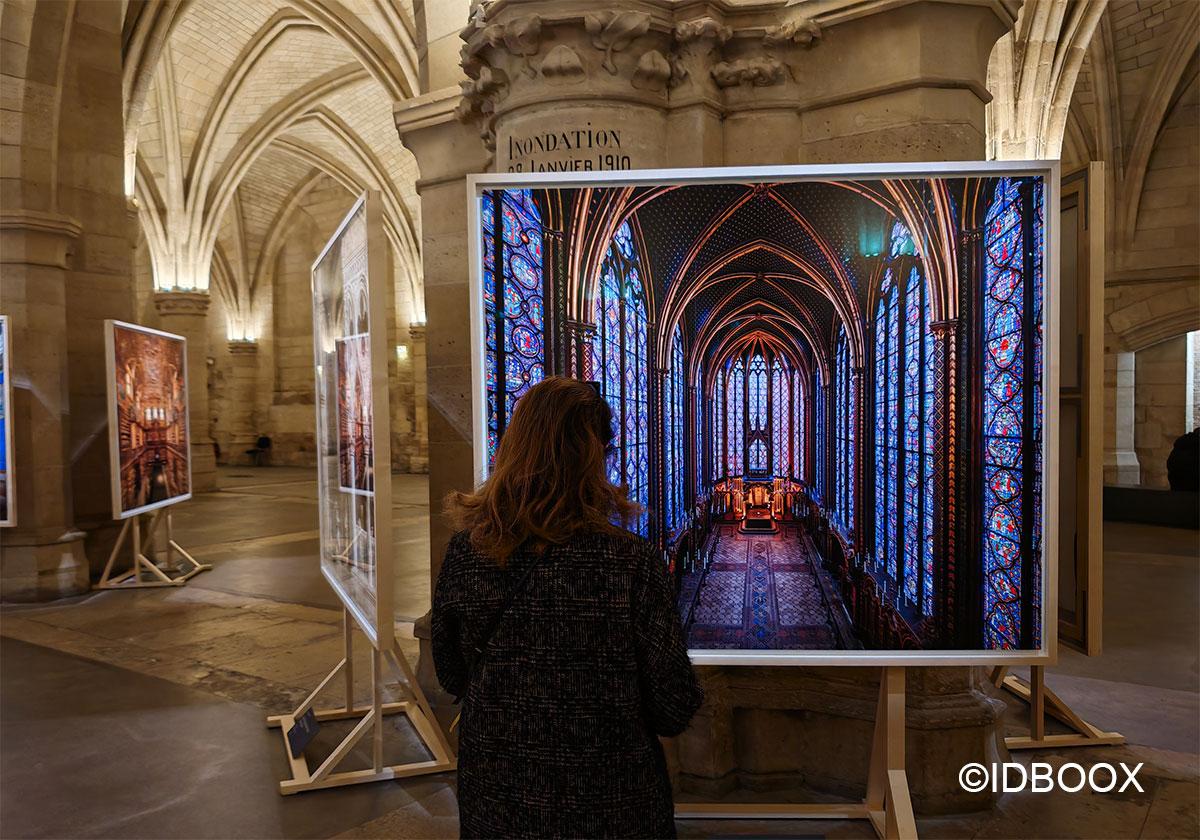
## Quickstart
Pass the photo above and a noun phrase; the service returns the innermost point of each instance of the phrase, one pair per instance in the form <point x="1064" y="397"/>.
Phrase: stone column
<point x="43" y="556"/>
<point x="446" y="151"/>
<point x="419" y="460"/>
<point x="185" y="313"/>
<point x="239" y="419"/>
<point x="1120" y="456"/>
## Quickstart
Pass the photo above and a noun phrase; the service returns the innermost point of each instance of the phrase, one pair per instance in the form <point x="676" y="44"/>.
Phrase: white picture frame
<point x="114" y="443"/>
<point x="1046" y="654"/>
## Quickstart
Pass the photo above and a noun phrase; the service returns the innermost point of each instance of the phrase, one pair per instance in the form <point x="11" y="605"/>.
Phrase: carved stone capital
<point x="416" y="332"/>
<point x="243" y="347"/>
<point x="757" y="72"/>
<point x="182" y="303"/>
<point x="35" y="237"/>
<point x="801" y="32"/>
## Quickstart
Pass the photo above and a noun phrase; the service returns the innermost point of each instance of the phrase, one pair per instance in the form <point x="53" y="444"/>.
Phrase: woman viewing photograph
<point x="558" y="631"/>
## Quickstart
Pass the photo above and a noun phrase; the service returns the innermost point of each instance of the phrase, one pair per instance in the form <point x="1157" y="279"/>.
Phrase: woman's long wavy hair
<point x="549" y="481"/>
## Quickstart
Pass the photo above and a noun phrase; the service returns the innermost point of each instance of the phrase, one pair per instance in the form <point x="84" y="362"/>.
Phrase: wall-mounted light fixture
<point x="402" y="352"/>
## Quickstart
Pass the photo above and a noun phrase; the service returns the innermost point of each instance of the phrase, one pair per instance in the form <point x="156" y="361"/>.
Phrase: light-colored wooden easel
<point x="887" y="804"/>
<point x="416" y="708"/>
<point x="1043" y="701"/>
<point x="132" y="578"/>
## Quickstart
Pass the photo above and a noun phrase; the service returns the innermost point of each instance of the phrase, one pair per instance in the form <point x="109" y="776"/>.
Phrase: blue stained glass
<point x="913" y="386"/>
<point x="517" y="290"/>
<point x="781" y="441"/>
<point x="734" y="398"/>
<point x="620" y="346"/>
<point x="819" y="452"/>
<point x="844" y="423"/>
<point x="883" y="538"/>
<point x="718" y="427"/>
<point x="757" y="395"/>
<point x="902" y="241"/>
<point x="758" y="456"/>
<point x="798" y="391"/>
<point x="673" y="449"/>
<point x="1003" y="407"/>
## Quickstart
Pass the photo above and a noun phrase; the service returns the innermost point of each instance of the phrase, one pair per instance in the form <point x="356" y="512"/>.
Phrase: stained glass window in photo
<point x="735" y="409"/>
<point x="514" y="353"/>
<point x="1003" y="416"/>
<point x="620" y="347"/>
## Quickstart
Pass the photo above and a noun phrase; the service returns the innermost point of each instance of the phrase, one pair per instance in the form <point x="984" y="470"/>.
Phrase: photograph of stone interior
<point x="151" y="462"/>
<point x="181" y="165"/>
<point x="738" y="332"/>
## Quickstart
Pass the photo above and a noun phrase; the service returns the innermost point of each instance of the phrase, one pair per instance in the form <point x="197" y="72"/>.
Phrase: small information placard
<point x="302" y="733"/>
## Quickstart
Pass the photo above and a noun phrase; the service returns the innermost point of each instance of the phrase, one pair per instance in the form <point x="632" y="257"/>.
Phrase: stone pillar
<point x="43" y="556"/>
<point x="185" y="313"/>
<point x="446" y="151"/>
<point x="239" y="420"/>
<point x="419" y="460"/>
<point x="557" y="87"/>
<point x="1120" y="456"/>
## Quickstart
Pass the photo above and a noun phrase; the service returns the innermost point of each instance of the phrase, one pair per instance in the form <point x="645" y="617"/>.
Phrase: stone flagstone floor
<point x="140" y="714"/>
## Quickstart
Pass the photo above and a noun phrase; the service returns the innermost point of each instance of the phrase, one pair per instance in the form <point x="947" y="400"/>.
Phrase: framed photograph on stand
<point x="829" y="387"/>
<point x="354" y="495"/>
<point x="150" y="465"/>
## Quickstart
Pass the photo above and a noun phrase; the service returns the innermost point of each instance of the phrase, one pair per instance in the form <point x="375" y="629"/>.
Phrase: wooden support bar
<point x="327" y="775"/>
<point x="143" y="559"/>
<point x="1043" y="701"/>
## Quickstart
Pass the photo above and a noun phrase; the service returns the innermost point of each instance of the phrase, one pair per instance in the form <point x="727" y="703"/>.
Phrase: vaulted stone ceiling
<point x="236" y="110"/>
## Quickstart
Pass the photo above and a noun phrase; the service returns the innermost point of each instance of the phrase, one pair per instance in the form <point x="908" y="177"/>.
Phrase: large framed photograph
<point x="150" y="459"/>
<point x="8" y="494"/>
<point x="350" y="344"/>
<point x="828" y="386"/>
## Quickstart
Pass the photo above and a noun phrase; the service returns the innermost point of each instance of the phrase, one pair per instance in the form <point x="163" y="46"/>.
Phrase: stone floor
<point x="140" y="714"/>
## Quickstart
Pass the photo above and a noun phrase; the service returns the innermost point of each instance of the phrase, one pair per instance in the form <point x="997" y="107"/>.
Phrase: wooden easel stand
<point x="416" y="708"/>
<point x="133" y="578"/>
<point x="1043" y="701"/>
<point x="887" y="804"/>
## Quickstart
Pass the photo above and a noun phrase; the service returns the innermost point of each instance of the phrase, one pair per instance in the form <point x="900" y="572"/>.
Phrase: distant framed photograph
<point x="148" y="418"/>
<point x="8" y="496"/>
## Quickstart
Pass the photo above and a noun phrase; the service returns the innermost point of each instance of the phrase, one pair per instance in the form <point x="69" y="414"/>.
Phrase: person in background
<point x="559" y="633"/>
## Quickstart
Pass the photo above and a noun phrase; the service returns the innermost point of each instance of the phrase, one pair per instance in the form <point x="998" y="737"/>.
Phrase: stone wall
<point x="1161" y="406"/>
<point x="67" y="237"/>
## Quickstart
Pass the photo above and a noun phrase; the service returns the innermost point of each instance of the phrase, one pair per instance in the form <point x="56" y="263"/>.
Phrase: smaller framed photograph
<point x="8" y="495"/>
<point x="147" y="418"/>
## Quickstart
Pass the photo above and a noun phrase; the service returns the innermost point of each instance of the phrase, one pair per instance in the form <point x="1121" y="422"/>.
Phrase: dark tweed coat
<point x="559" y="732"/>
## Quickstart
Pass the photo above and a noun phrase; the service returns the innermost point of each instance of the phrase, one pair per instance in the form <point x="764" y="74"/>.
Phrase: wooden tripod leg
<point x="888" y="801"/>
<point x="998" y="674"/>
<point x="1037" y="702"/>
<point x="377" y="707"/>
<point x="112" y="557"/>
<point x="427" y="723"/>
<point x="348" y="656"/>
